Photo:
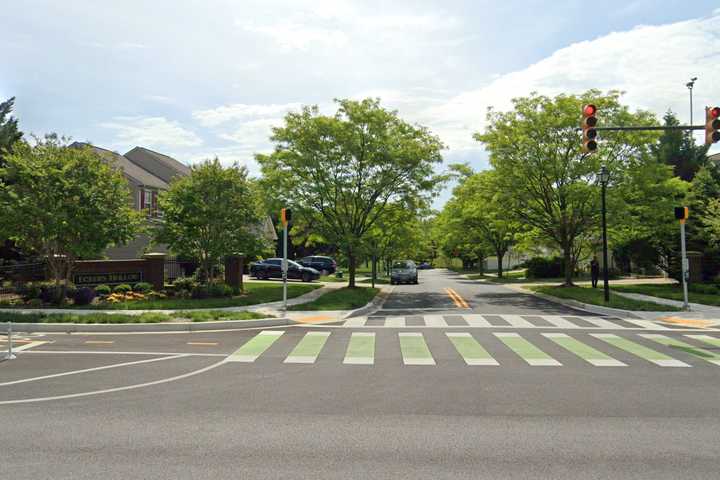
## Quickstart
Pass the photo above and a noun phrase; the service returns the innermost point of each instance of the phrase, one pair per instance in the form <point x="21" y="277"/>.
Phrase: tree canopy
<point x="343" y="170"/>
<point x="211" y="213"/>
<point x="9" y="131"/>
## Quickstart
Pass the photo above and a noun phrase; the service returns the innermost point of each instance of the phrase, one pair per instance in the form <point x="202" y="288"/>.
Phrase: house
<point x="162" y="166"/>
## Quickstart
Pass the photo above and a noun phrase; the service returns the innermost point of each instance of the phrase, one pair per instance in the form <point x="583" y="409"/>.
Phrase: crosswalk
<point x="542" y="349"/>
<point x="504" y="321"/>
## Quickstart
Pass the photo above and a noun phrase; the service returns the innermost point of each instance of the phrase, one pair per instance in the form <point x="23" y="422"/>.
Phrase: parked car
<point x="403" y="271"/>
<point x="272" y="268"/>
<point x="424" y="266"/>
<point x="324" y="265"/>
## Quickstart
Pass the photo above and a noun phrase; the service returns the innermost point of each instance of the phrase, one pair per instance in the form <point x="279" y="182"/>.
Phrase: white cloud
<point x="289" y="35"/>
<point x="653" y="72"/>
<point x="241" y="111"/>
<point x="157" y="132"/>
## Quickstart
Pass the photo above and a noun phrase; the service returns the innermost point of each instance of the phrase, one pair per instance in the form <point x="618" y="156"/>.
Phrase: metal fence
<point x="177" y="268"/>
<point x="12" y="276"/>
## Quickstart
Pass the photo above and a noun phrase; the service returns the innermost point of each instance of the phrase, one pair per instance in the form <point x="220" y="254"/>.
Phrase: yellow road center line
<point x="460" y="300"/>
<point x="203" y="344"/>
<point x="452" y="296"/>
<point x="99" y="342"/>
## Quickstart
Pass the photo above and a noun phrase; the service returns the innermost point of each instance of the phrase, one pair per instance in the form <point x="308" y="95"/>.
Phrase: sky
<point x="199" y="79"/>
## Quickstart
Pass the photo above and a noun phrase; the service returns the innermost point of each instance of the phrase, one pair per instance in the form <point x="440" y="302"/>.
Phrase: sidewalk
<point x="706" y="311"/>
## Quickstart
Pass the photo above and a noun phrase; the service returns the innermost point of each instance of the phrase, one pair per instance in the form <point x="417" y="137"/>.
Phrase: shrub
<point x="199" y="292"/>
<point x="220" y="290"/>
<point x="122" y="288"/>
<point x="84" y="296"/>
<point x="34" y="302"/>
<point x="50" y="293"/>
<point x="30" y="290"/>
<point x="186" y="284"/>
<point x="103" y="290"/>
<point x="142" y="287"/>
<point x="541" y="267"/>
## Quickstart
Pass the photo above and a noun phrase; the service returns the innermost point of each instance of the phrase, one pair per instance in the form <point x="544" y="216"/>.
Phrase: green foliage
<point x="341" y="171"/>
<point x="212" y="290"/>
<point x="595" y="296"/>
<point x="549" y="184"/>
<point x="122" y="288"/>
<point x="64" y="203"/>
<point x="103" y="290"/>
<point x="142" y="287"/>
<point x="677" y="149"/>
<point x="84" y="296"/>
<point x="543" y="267"/>
<point x="348" y="298"/>
<point x="9" y="132"/>
<point x="212" y="213"/>
<point x="215" y="315"/>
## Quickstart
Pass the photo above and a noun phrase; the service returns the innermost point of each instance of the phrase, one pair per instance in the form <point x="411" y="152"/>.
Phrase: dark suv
<point x="324" y="265"/>
<point x="272" y="268"/>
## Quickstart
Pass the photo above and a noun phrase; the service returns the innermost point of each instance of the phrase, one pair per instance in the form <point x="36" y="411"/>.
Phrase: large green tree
<point x="677" y="148"/>
<point x="211" y="213"/>
<point x="551" y="185"/>
<point x="9" y="131"/>
<point x="343" y="170"/>
<point x="64" y="203"/>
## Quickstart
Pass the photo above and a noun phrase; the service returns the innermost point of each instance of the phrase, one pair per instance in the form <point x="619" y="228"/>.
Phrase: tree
<point x="549" y="183"/>
<point x="677" y="148"/>
<point x="479" y="204"/>
<point x="455" y="240"/>
<point x="343" y="170"/>
<point x="9" y="132"/>
<point x="211" y="213"/>
<point x="65" y="204"/>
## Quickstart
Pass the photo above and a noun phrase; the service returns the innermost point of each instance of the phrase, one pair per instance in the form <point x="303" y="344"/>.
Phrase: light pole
<point x="690" y="86"/>
<point x="604" y="176"/>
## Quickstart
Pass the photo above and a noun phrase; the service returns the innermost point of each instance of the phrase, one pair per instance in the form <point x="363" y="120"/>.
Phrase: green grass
<point x="214" y="315"/>
<point x="594" y="296"/>
<point x="333" y="278"/>
<point x="341" y="299"/>
<point x="89" y="318"/>
<point x="671" y="292"/>
<point x="255" y="293"/>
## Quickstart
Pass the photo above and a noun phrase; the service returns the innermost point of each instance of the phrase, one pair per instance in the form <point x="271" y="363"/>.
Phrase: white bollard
<point x="9" y="355"/>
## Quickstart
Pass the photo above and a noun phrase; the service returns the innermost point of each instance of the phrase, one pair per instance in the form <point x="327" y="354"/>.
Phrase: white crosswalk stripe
<point x="506" y="321"/>
<point x="482" y="348"/>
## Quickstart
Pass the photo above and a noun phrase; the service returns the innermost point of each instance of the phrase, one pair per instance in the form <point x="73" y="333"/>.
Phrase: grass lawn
<point x="214" y="315"/>
<point x="333" y="278"/>
<point x="594" y="296"/>
<point x="670" y="291"/>
<point x="341" y="299"/>
<point x="89" y="318"/>
<point x="255" y="293"/>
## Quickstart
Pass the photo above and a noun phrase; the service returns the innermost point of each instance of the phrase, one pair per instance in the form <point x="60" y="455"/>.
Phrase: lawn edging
<point x="375" y="304"/>
<point x="149" y="327"/>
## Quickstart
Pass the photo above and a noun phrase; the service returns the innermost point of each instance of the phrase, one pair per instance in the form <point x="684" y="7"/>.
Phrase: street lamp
<point x="604" y="177"/>
<point x="690" y="86"/>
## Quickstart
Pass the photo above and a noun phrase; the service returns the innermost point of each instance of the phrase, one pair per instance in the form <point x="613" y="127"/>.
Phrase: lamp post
<point x="604" y="176"/>
<point x="690" y="86"/>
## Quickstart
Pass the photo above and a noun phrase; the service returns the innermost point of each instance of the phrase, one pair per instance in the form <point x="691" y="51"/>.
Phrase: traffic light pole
<point x="606" y="285"/>
<point x="684" y="261"/>
<point x="285" y="266"/>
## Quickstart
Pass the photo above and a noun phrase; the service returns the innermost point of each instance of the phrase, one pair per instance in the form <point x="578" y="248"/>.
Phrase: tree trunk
<point x="500" y="256"/>
<point x="568" y="264"/>
<point x="351" y="270"/>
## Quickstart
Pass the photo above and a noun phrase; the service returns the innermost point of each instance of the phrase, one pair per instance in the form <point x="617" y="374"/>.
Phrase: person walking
<point x="594" y="271"/>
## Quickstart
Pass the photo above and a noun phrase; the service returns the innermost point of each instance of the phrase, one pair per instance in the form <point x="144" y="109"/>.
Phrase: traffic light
<point x="285" y="216"/>
<point x="682" y="213"/>
<point x="589" y="121"/>
<point x="712" y="125"/>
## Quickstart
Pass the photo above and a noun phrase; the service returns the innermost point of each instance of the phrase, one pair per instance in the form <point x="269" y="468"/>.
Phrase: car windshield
<point x="293" y="264"/>
<point x="401" y="265"/>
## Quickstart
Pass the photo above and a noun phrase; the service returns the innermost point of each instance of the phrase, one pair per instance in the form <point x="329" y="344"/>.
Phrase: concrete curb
<point x="373" y="306"/>
<point x="150" y="327"/>
<point x="596" y="309"/>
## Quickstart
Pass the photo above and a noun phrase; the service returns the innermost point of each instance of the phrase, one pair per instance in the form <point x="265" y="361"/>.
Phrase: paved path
<point x="507" y="387"/>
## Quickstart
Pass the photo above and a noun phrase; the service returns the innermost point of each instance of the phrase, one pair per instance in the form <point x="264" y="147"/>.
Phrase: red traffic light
<point x="715" y="112"/>
<point x="590" y="110"/>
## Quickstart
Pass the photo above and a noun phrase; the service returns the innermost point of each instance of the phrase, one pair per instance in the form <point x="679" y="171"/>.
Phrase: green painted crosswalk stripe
<point x="638" y="350"/>
<point x="526" y="350"/>
<point x="586" y="352"/>
<point x="470" y="350"/>
<point x="255" y="346"/>
<point x="361" y="349"/>
<point x="715" y="342"/>
<point x="711" y="357"/>
<point x="414" y="349"/>
<point x="309" y="348"/>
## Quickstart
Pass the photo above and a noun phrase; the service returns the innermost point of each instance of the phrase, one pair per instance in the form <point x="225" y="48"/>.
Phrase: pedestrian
<point x="594" y="271"/>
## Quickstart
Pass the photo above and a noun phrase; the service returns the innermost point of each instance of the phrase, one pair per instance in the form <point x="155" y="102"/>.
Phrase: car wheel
<point x="324" y="272"/>
<point x="306" y="277"/>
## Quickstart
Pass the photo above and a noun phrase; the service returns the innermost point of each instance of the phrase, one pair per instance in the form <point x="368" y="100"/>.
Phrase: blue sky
<point x="196" y="79"/>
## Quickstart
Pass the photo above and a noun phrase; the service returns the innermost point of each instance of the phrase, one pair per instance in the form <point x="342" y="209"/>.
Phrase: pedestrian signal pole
<point x="9" y="355"/>
<point x="681" y="213"/>
<point x="285" y="217"/>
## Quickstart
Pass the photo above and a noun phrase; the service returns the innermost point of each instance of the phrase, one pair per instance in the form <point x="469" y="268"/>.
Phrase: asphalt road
<point x="228" y="405"/>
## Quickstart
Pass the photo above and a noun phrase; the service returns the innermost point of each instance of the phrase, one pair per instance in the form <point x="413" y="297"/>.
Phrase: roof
<point x="714" y="158"/>
<point x="132" y="171"/>
<point x="160" y="165"/>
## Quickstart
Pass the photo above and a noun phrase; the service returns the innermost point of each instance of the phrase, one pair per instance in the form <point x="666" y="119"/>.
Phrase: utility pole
<point x="690" y="85"/>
